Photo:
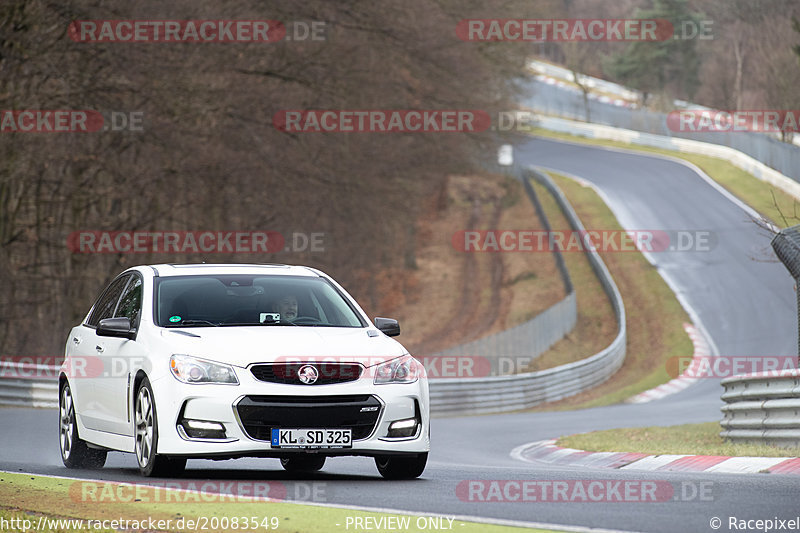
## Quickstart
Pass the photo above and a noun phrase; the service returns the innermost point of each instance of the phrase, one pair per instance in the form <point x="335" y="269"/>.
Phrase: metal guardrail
<point x="535" y="336"/>
<point x="553" y="100"/>
<point x="531" y="338"/>
<point x="731" y="155"/>
<point x="34" y="385"/>
<point x="558" y="255"/>
<point x="762" y="408"/>
<point x="510" y="393"/>
<point x="454" y="396"/>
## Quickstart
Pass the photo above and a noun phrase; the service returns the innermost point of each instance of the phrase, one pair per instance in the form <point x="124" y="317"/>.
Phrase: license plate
<point x="311" y="438"/>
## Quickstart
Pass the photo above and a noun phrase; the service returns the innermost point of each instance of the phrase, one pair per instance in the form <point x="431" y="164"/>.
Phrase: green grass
<point x="655" y="318"/>
<point x="646" y="364"/>
<point x="687" y="439"/>
<point x="596" y="327"/>
<point x="772" y="203"/>
<point x="23" y="522"/>
<point x="31" y="497"/>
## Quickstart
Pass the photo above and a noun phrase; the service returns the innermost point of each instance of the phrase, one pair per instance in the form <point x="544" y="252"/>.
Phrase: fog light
<point x="200" y="429"/>
<point x="403" y="428"/>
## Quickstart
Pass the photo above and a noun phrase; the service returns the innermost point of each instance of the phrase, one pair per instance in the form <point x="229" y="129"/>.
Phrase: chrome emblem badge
<point x="308" y="374"/>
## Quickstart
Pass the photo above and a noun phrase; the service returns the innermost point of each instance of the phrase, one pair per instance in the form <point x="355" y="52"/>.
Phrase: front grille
<point x="288" y="373"/>
<point x="259" y="414"/>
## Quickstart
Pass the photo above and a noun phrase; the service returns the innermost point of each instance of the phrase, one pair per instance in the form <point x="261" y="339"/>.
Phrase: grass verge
<point x="595" y="327"/>
<point x="37" y="497"/>
<point x="686" y="439"/>
<point x="648" y="349"/>
<point x="655" y="318"/>
<point x="772" y="203"/>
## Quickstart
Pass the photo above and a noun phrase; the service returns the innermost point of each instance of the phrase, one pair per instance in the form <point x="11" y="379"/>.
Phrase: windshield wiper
<point x="195" y="322"/>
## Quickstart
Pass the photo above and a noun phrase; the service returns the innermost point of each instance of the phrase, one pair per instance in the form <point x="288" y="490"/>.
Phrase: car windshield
<point x="251" y="300"/>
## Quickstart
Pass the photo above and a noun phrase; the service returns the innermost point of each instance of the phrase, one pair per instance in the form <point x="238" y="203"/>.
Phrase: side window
<point x="104" y="308"/>
<point x="130" y="305"/>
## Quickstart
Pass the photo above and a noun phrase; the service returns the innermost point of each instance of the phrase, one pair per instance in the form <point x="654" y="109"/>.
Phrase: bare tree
<point x="209" y="157"/>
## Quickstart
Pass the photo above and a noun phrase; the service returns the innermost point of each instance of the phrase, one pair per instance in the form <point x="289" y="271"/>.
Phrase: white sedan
<point x="177" y="362"/>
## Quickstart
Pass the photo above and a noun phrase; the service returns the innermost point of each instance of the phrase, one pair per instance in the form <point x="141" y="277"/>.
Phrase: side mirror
<point x="388" y="326"/>
<point x="116" y="327"/>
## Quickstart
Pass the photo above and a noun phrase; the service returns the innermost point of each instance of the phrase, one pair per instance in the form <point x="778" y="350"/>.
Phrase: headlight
<point x="191" y="370"/>
<point x="404" y="369"/>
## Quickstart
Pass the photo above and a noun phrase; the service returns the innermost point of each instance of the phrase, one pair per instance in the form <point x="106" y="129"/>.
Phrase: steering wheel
<point x="309" y="319"/>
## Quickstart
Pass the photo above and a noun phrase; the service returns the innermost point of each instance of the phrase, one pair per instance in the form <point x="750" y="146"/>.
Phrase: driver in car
<point x="287" y="307"/>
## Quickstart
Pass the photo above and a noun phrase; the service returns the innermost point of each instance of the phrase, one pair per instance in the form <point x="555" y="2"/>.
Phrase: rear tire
<point x="151" y="464"/>
<point x="303" y="463"/>
<point x="401" y="467"/>
<point x="75" y="453"/>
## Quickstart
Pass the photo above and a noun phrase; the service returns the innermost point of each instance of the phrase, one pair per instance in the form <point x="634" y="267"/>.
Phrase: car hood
<point x="244" y="345"/>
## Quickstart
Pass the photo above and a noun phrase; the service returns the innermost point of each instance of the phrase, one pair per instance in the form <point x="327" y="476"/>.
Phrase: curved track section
<point x="745" y="302"/>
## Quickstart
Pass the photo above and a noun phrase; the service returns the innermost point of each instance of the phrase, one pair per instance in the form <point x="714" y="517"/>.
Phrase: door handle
<point x="99" y="348"/>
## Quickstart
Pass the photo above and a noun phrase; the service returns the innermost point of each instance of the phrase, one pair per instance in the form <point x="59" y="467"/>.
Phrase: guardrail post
<point x="787" y="247"/>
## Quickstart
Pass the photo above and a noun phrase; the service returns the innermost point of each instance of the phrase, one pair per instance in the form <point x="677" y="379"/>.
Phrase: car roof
<point x="173" y="269"/>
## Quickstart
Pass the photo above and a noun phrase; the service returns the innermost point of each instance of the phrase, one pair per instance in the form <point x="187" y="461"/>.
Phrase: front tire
<point x="401" y="467"/>
<point x="151" y="464"/>
<point x="303" y="463"/>
<point x="75" y="453"/>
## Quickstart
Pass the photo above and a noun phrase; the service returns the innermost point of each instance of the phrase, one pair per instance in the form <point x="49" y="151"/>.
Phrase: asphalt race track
<point x="743" y="298"/>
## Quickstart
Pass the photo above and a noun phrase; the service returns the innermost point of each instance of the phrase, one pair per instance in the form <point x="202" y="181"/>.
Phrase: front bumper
<point x="248" y="410"/>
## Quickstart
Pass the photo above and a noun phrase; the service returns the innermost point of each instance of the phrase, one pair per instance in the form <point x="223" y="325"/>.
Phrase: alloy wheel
<point x="144" y="426"/>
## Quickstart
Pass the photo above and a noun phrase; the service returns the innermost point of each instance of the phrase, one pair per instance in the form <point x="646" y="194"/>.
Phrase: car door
<point x="123" y="357"/>
<point x="88" y="365"/>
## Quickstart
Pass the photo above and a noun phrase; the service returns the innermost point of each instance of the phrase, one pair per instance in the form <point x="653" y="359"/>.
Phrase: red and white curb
<point x="546" y="452"/>
<point x="702" y="351"/>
